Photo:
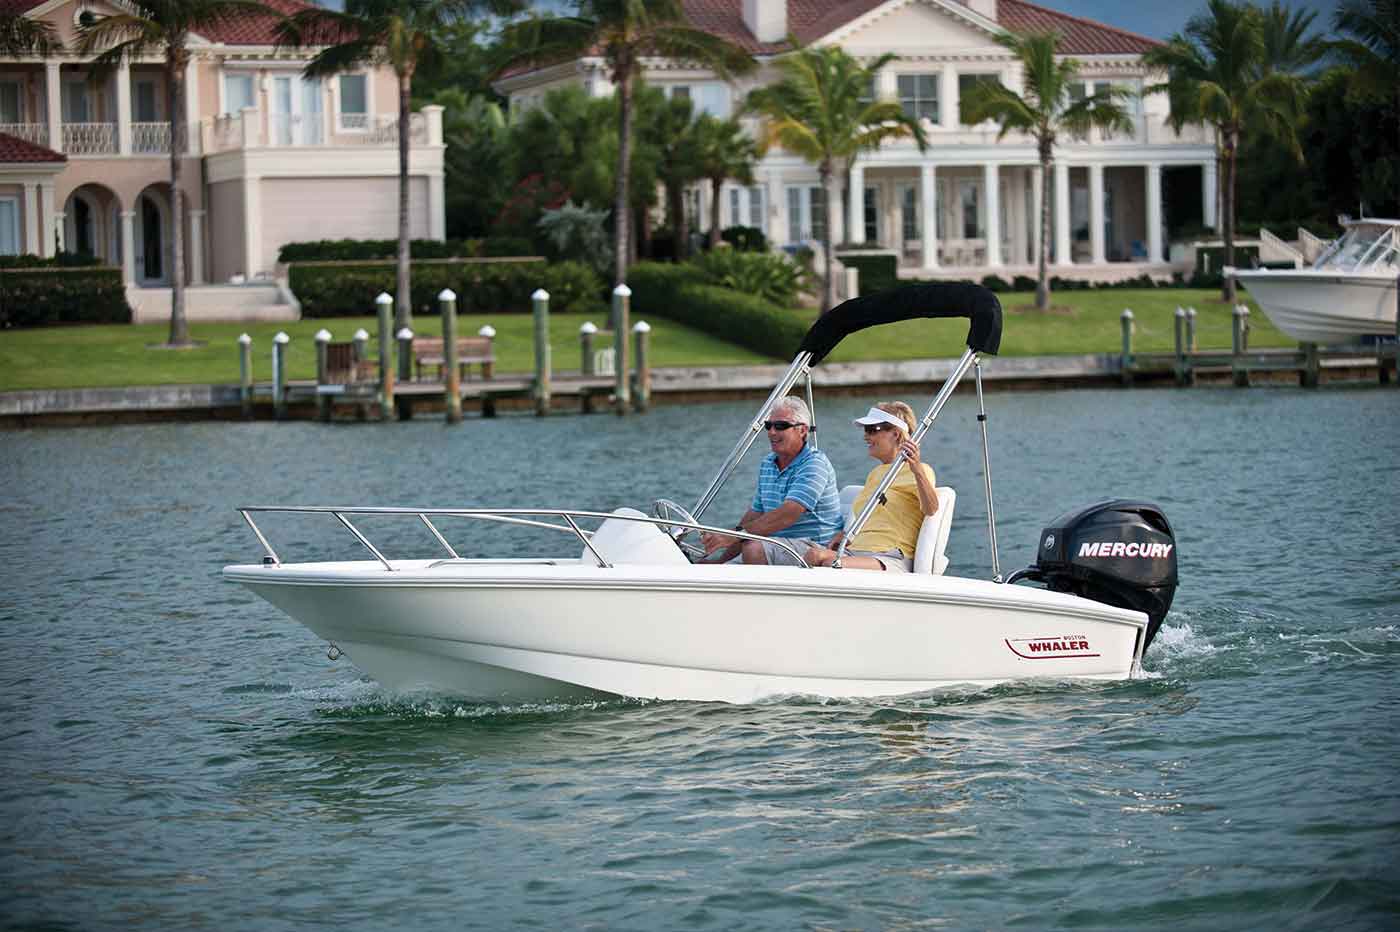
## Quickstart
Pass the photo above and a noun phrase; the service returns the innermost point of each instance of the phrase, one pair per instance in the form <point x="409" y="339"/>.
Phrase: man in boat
<point x="796" y="498"/>
<point x="888" y="539"/>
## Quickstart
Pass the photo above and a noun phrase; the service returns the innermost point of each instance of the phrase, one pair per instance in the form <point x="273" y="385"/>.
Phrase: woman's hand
<point x="910" y="449"/>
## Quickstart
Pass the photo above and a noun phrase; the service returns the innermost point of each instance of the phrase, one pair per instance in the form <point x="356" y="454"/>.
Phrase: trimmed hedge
<point x="361" y="250"/>
<point x="877" y="273"/>
<point x="348" y="289"/>
<point x="678" y="293"/>
<point x="45" y="296"/>
<point x="63" y="260"/>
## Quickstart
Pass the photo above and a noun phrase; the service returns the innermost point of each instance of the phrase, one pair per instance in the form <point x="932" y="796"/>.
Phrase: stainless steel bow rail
<point x="520" y="516"/>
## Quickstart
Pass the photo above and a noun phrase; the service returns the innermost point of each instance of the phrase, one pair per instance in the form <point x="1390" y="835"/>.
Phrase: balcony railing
<point x="90" y="138"/>
<point x="36" y="133"/>
<point x="150" y="138"/>
<point x="245" y="131"/>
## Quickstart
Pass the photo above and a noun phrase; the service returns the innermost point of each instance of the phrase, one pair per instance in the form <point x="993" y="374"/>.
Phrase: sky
<point x="1158" y="19"/>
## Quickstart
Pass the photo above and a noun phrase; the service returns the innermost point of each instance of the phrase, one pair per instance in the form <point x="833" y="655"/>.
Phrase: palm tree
<point x="20" y="35"/>
<point x="723" y="151"/>
<point x="402" y="34"/>
<point x="1372" y="48"/>
<point x="823" y="110"/>
<point x="1219" y="73"/>
<point x="164" y="26"/>
<point x="669" y="127"/>
<point x="1047" y="108"/>
<point x="622" y="32"/>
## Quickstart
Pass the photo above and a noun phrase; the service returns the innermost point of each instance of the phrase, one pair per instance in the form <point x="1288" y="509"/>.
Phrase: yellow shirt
<point x="894" y="525"/>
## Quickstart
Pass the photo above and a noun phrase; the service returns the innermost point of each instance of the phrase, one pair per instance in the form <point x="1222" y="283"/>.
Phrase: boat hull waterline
<point x="1325" y="307"/>
<point x="531" y="632"/>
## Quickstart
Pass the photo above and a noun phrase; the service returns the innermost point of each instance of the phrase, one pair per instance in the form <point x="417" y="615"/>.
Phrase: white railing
<point x="90" y="138"/>
<point x="244" y="130"/>
<point x="150" y="138"/>
<point x="354" y="122"/>
<point x="384" y="130"/>
<point x="37" y="133"/>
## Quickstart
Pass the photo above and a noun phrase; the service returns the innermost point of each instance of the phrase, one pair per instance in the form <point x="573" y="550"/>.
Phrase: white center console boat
<point x="626" y="612"/>
<point x="1347" y="294"/>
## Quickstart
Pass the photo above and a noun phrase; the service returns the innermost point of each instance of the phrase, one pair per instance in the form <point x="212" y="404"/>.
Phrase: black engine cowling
<point x="1118" y="552"/>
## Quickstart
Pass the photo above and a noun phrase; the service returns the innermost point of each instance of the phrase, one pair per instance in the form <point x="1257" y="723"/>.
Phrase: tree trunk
<point x="179" y="326"/>
<point x="680" y="225"/>
<point x="1042" y="284"/>
<point x="403" y="303"/>
<point x="829" y="290"/>
<point x="621" y="208"/>
<point x="715" y="185"/>
<point x="1227" y="288"/>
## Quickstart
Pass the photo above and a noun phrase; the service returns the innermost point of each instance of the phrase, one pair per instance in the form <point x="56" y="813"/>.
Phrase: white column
<point x="887" y="85"/>
<point x="252" y="226"/>
<point x="437" y="208"/>
<point x="778" y="233"/>
<point x="1209" y="196"/>
<point x="60" y="229"/>
<point x="1037" y="192"/>
<point x="32" y="224"/>
<point x="46" y="218"/>
<point x="857" y="212"/>
<point x="55" y="104"/>
<point x="123" y="78"/>
<point x="1154" y="213"/>
<point x="928" y="214"/>
<point x="1096" y="213"/>
<point x="1063" y="254"/>
<point x="192" y="118"/>
<point x="992" y="228"/>
<point x="948" y="97"/>
<point x="196" y="247"/>
<point x="129" y="246"/>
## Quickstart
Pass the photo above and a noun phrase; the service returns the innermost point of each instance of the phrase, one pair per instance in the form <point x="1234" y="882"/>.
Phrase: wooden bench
<point x="344" y="367"/>
<point x="429" y="351"/>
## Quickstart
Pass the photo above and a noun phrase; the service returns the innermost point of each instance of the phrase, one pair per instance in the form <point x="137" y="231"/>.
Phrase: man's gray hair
<point x="801" y="414"/>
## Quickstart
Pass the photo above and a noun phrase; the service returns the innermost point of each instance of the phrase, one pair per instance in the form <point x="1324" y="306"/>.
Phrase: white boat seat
<point x="929" y="555"/>
<point x="621" y="542"/>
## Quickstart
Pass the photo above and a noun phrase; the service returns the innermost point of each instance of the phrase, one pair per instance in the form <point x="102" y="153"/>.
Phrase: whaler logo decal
<point x="1052" y="648"/>
<point x="1120" y="549"/>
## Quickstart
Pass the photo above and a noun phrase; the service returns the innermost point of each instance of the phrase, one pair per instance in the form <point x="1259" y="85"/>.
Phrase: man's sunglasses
<point x="779" y="425"/>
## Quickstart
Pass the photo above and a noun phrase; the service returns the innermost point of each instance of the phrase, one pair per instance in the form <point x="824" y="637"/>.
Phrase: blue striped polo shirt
<point x="808" y="480"/>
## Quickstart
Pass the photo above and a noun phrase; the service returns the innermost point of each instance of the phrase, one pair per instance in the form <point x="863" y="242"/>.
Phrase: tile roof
<point x="14" y="149"/>
<point x="18" y="6"/>
<point x="810" y="20"/>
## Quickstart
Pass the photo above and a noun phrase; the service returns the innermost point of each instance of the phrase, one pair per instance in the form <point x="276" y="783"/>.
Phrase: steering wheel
<point x="666" y="509"/>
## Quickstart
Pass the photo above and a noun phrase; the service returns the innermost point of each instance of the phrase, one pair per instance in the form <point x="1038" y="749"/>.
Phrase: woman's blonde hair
<point x="902" y="411"/>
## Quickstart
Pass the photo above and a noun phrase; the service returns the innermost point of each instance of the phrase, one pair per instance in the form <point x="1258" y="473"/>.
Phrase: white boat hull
<point x="510" y="632"/>
<point x="1326" y="307"/>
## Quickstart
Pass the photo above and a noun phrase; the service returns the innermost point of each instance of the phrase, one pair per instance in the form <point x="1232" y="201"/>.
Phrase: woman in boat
<point x="888" y="538"/>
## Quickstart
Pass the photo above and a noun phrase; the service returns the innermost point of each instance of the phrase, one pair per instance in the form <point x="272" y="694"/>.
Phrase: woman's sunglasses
<point x="779" y="426"/>
<point x="876" y="428"/>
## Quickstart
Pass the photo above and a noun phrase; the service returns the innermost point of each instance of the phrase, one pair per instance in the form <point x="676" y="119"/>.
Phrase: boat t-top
<point x="1348" y="293"/>
<point x="624" y="609"/>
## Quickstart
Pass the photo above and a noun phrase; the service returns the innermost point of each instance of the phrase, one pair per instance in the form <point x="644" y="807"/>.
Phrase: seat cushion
<point x="929" y="554"/>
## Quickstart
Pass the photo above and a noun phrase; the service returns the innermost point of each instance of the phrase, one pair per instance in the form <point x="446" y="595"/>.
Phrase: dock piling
<point x="1239" y="346"/>
<point x="621" y="309"/>
<point x="1182" y="366"/>
<point x="641" y="333"/>
<point x="323" y="399"/>
<point x="452" y="391"/>
<point x="1126" y="319"/>
<point x="403" y="405"/>
<point x="540" y="306"/>
<point x="1311" y="373"/>
<point x="245" y="373"/>
<point x="384" y="307"/>
<point x="279" y="375"/>
<point x="1191" y="346"/>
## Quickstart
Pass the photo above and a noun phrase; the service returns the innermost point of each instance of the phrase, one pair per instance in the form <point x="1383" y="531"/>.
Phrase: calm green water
<point x="176" y="754"/>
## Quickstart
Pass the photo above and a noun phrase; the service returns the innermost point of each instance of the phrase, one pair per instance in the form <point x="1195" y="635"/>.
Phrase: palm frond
<point x="20" y="35"/>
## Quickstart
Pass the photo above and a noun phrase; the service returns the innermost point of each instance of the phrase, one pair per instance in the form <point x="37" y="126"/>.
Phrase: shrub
<point x="745" y="239"/>
<point x="63" y="260"/>
<point x="995" y="283"/>
<point x="481" y="287"/>
<point x="1024" y="283"/>
<point x="772" y="276"/>
<point x="877" y="273"/>
<point x="42" y="296"/>
<point x="677" y="292"/>
<point x="364" y="250"/>
<point x="578" y="233"/>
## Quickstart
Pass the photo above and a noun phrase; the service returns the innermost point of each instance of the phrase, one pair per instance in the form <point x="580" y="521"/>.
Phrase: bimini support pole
<point x="798" y="368"/>
<point x="812" y="407"/>
<point x="944" y="393"/>
<point x="987" y="474"/>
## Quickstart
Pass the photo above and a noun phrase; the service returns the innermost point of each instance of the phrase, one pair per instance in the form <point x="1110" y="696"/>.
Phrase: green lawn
<point x="114" y="355"/>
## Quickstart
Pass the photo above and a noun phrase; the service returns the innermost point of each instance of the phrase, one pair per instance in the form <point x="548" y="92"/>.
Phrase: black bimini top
<point x="938" y="299"/>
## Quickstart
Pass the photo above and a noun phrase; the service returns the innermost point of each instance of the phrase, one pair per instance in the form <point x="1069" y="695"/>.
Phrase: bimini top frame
<point x="940" y="299"/>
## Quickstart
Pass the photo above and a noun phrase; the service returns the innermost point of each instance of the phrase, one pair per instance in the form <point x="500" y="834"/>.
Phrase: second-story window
<point x="966" y="82"/>
<point x="710" y="97"/>
<point x="918" y="95"/>
<point x="9" y="102"/>
<point x="238" y="92"/>
<point x="354" y="102"/>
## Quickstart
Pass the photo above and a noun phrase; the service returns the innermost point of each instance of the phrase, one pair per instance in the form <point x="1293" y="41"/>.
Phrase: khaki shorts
<point x="894" y="561"/>
<point x="779" y="556"/>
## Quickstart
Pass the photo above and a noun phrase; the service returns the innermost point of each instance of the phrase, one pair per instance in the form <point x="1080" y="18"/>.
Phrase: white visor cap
<point x="879" y="416"/>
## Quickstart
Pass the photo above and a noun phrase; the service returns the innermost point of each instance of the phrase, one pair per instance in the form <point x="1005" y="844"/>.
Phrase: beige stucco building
<point x="967" y="205"/>
<point x="272" y="157"/>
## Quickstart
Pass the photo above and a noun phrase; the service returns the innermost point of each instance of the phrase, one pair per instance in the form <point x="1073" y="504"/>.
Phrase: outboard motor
<point x="1118" y="552"/>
